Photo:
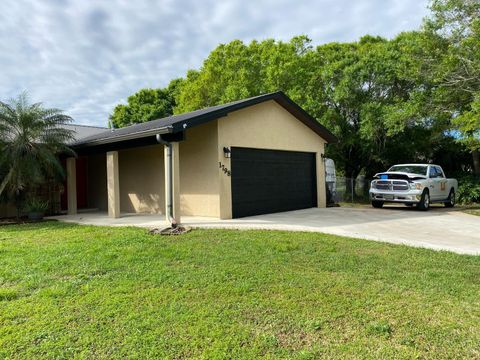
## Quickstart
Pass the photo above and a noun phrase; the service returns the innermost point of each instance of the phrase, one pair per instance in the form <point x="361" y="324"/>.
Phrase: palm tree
<point x="31" y="138"/>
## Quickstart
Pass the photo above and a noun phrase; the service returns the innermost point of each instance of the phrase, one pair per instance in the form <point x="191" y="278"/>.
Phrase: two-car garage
<point x="268" y="181"/>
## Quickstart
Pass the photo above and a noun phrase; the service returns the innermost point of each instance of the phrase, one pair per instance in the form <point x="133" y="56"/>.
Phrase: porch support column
<point x="175" y="181"/>
<point x="113" y="185"/>
<point x="71" y="186"/>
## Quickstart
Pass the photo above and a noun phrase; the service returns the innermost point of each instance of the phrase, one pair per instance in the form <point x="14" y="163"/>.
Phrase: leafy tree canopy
<point x="386" y="100"/>
<point x="456" y="23"/>
<point x="356" y="89"/>
<point x="146" y="105"/>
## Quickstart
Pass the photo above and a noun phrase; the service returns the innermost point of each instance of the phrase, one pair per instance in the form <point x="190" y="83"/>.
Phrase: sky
<point x="86" y="56"/>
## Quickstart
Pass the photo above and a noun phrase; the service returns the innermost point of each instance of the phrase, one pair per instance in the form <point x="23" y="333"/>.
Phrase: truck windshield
<point x="412" y="169"/>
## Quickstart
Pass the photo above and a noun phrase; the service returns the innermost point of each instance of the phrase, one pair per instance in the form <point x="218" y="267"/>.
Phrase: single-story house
<point x="254" y="156"/>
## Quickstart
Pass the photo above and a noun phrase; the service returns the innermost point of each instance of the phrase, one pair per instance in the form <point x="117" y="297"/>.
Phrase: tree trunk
<point x="476" y="162"/>
<point x="349" y="189"/>
<point x="18" y="204"/>
<point x="351" y="183"/>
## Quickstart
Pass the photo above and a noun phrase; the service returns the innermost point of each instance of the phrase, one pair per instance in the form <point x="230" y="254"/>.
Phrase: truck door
<point x="435" y="183"/>
<point x="443" y="190"/>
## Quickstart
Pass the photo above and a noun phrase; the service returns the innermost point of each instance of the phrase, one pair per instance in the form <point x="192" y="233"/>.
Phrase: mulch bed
<point x="178" y="230"/>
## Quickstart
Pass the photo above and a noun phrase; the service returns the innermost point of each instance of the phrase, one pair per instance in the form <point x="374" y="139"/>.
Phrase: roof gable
<point x="181" y="122"/>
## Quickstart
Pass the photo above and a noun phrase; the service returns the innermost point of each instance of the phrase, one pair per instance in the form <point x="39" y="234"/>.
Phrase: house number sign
<point x="224" y="168"/>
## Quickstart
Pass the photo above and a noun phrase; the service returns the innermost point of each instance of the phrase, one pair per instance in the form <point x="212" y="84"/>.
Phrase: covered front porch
<point x="126" y="181"/>
<point x="133" y="176"/>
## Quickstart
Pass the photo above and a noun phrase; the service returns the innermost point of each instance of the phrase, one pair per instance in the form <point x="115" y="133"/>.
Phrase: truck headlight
<point x="372" y="185"/>
<point x="415" y="186"/>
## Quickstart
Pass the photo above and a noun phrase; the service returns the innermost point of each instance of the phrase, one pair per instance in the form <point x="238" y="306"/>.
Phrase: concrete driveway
<point x="439" y="228"/>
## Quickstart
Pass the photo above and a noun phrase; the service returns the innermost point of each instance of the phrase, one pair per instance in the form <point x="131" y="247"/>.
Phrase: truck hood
<point x="399" y="175"/>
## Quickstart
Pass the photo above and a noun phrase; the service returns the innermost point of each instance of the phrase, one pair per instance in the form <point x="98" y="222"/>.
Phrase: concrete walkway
<point x="438" y="229"/>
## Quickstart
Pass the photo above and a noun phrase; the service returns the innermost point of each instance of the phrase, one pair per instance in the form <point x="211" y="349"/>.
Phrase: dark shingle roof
<point x="177" y="123"/>
<point x="83" y="131"/>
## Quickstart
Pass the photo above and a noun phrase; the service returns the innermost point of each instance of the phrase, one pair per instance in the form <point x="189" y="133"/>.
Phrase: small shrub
<point x="469" y="190"/>
<point x="36" y="205"/>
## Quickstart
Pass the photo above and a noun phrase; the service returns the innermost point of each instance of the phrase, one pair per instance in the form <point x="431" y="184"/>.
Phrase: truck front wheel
<point x="377" y="204"/>
<point x="424" y="203"/>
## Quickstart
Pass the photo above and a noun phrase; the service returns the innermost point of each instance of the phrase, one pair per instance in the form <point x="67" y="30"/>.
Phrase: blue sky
<point x="86" y="56"/>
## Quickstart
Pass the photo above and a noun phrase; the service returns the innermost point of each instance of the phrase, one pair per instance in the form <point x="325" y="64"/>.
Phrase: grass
<point x="97" y="292"/>
<point x="473" y="209"/>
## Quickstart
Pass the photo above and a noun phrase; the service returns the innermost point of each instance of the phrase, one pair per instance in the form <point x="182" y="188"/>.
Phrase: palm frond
<point x="31" y="139"/>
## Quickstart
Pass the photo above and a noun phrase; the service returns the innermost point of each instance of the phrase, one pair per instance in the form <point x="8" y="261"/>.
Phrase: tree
<point x="31" y="138"/>
<point x="457" y="24"/>
<point x="355" y="89"/>
<point x="366" y="92"/>
<point x="146" y="105"/>
<point x="377" y="95"/>
<point x="236" y="71"/>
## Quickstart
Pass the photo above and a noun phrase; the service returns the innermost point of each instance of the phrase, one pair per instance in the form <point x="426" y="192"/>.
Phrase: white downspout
<point x="169" y="182"/>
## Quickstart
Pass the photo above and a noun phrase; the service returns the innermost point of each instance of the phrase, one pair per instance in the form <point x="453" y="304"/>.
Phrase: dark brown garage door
<point x="268" y="181"/>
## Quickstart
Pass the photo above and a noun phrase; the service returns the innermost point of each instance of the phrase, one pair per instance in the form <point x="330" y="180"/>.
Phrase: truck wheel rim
<point x="452" y="199"/>
<point x="426" y="202"/>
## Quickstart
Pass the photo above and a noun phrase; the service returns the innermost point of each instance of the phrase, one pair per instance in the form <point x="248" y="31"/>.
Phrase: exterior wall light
<point x="227" y="152"/>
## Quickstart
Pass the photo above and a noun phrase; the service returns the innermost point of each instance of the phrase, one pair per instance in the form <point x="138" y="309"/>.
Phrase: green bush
<point x="469" y="190"/>
<point x="36" y="205"/>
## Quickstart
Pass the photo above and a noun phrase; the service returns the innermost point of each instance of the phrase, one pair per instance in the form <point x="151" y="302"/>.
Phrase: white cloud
<point x="85" y="56"/>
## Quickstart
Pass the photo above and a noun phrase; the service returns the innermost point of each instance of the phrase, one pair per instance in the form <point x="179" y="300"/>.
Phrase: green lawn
<point x="97" y="292"/>
<point x="473" y="209"/>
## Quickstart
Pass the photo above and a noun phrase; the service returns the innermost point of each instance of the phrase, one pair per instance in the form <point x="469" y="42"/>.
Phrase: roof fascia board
<point x="135" y="135"/>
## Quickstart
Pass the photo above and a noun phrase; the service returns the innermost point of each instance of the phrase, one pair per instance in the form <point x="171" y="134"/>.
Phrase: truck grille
<point x="383" y="185"/>
<point x="391" y="185"/>
<point x="400" y="185"/>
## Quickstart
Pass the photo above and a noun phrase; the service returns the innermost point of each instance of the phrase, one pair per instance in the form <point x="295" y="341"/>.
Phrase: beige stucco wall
<point x="265" y="126"/>
<point x="97" y="182"/>
<point x="142" y="181"/>
<point x="199" y="181"/>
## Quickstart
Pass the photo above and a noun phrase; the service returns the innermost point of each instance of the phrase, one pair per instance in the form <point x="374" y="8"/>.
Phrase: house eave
<point x="125" y="137"/>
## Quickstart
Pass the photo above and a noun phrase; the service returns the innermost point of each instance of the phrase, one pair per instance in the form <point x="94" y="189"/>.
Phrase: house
<point x="254" y="156"/>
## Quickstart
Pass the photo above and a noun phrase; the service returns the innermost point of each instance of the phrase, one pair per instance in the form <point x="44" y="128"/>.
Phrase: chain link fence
<point x="349" y="190"/>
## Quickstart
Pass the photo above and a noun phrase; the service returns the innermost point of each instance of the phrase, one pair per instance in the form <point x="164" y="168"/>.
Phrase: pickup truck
<point x="413" y="184"/>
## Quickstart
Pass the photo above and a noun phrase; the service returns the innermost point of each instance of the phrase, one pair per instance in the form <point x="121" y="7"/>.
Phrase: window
<point x="435" y="172"/>
<point x="411" y="169"/>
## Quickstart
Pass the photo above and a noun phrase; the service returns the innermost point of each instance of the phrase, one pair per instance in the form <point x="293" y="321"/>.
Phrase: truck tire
<point x="377" y="204"/>
<point x="424" y="203"/>
<point x="450" y="203"/>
